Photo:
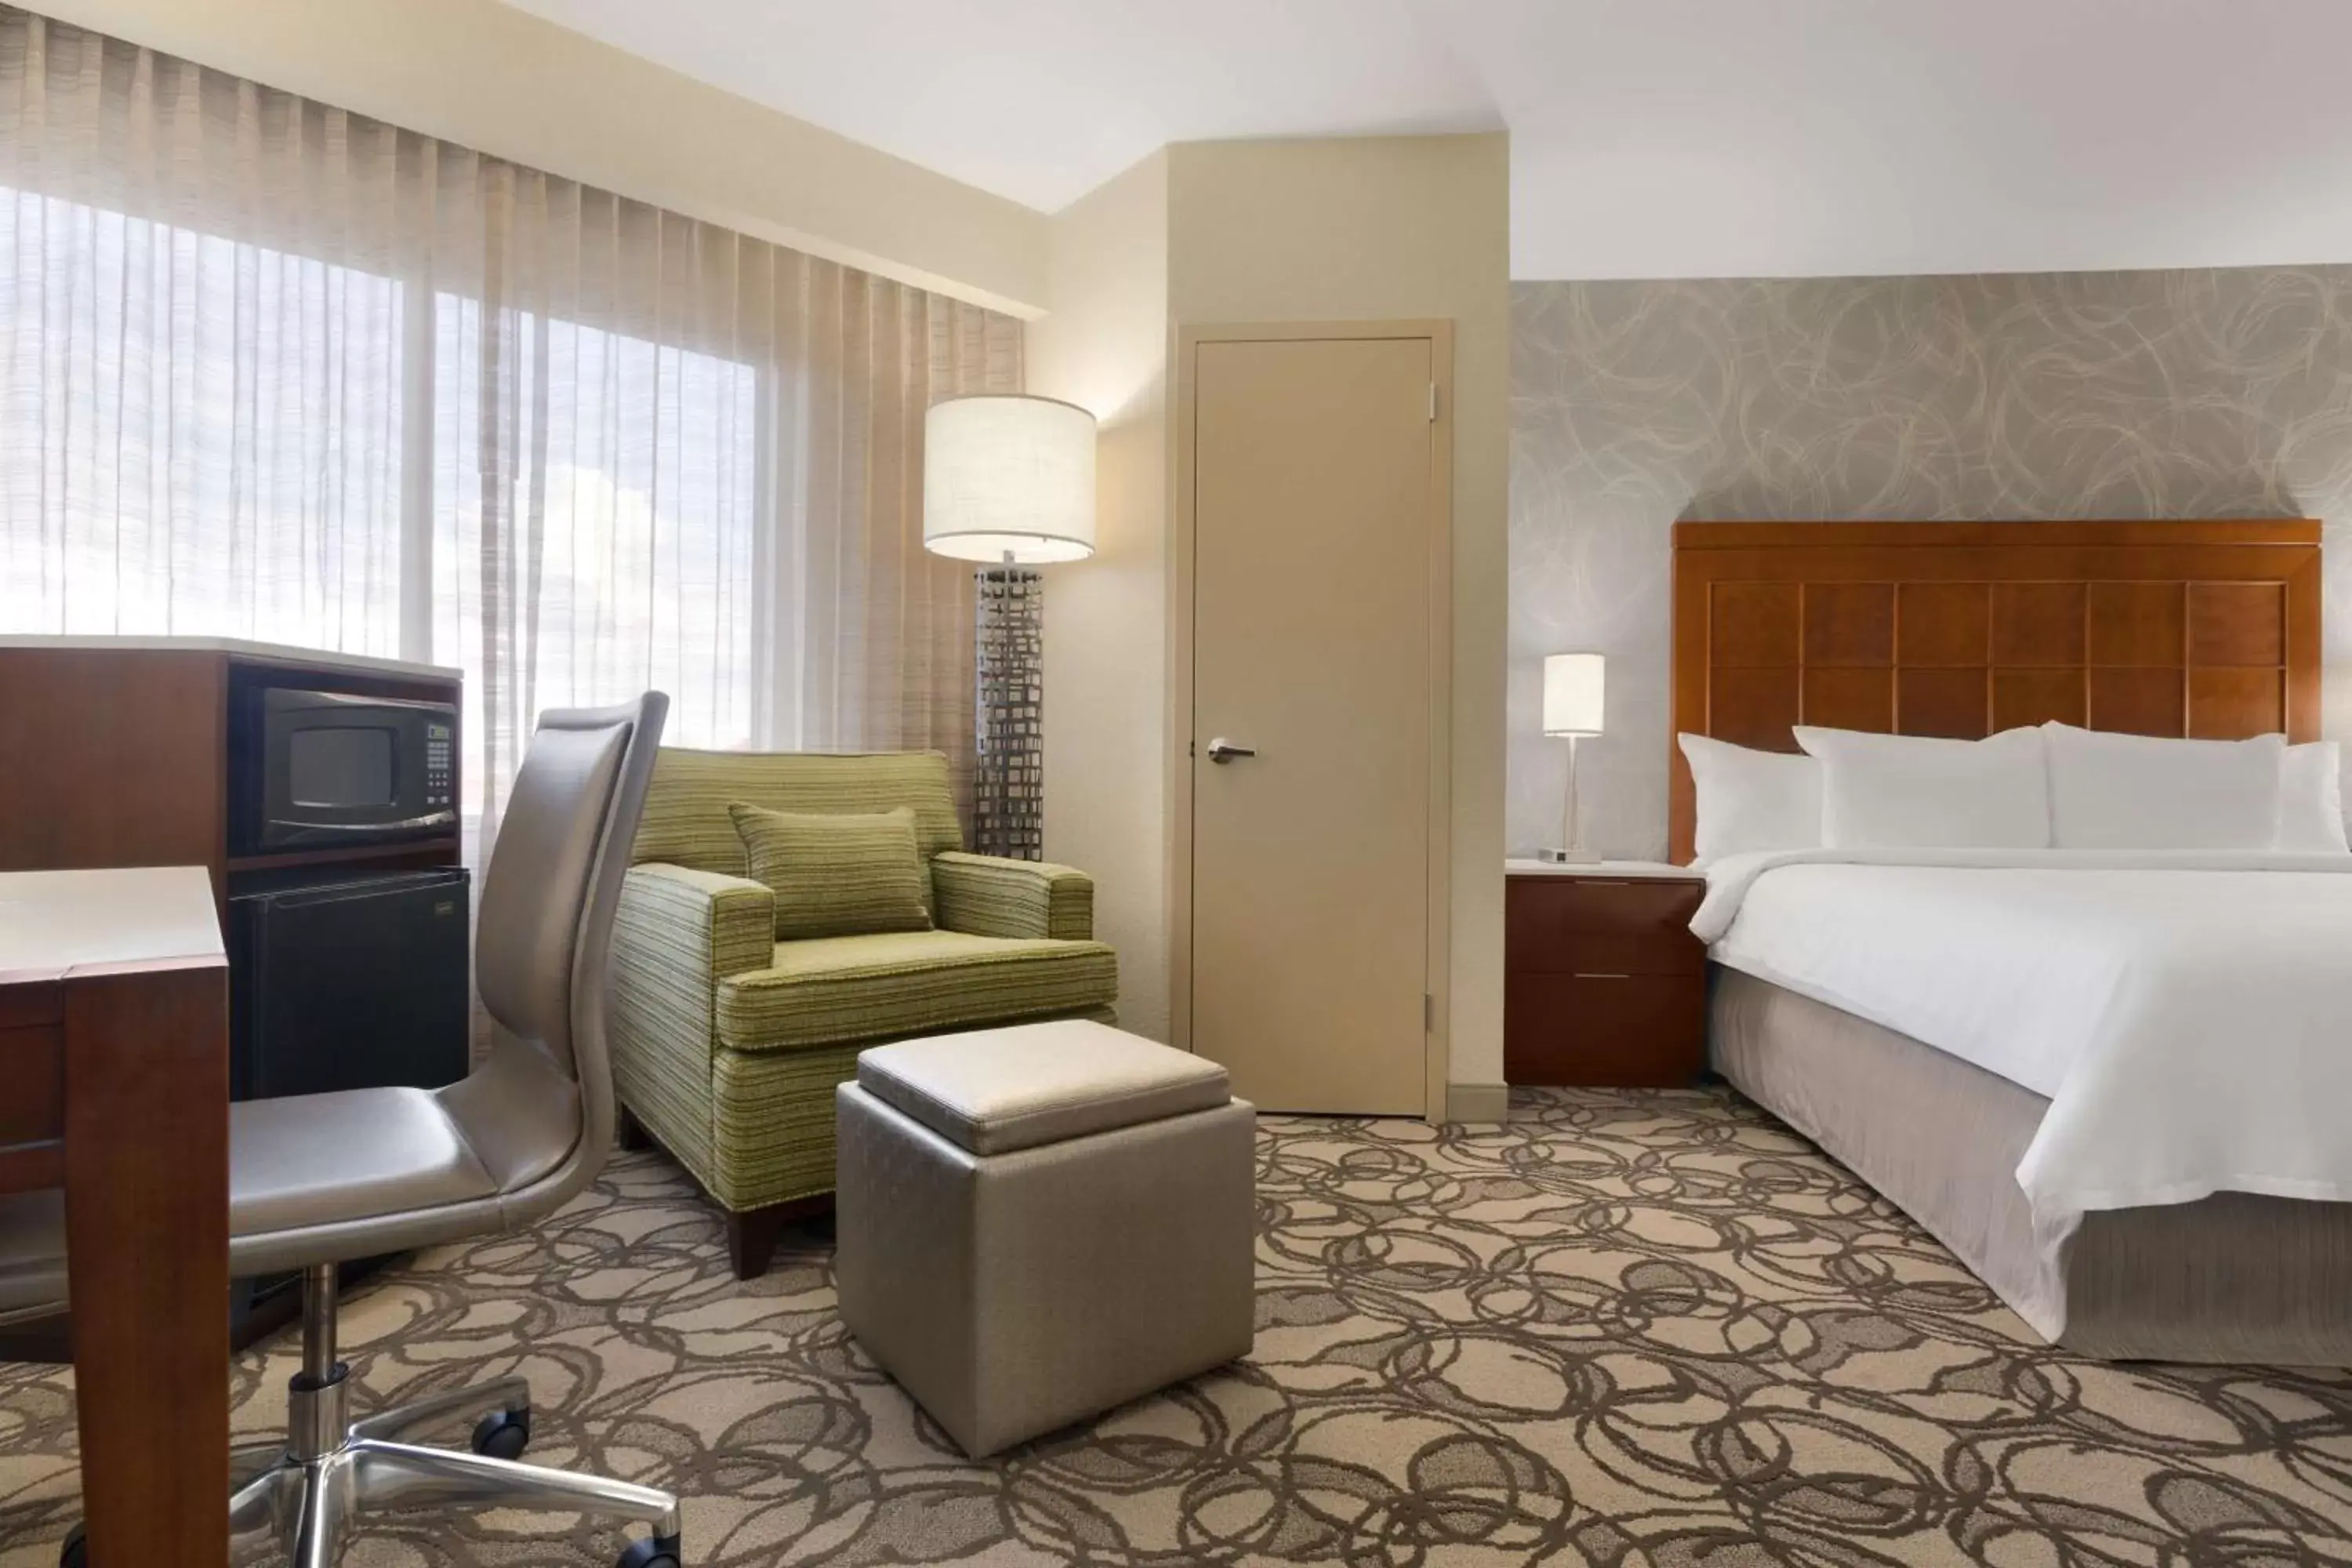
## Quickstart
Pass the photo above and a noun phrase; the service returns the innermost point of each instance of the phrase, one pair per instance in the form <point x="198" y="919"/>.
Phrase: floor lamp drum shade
<point x="1573" y="686"/>
<point x="1009" y="484"/>
<point x="1009" y="478"/>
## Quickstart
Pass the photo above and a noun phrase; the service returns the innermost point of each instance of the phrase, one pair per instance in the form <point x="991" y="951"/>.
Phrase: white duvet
<point x="2188" y="1016"/>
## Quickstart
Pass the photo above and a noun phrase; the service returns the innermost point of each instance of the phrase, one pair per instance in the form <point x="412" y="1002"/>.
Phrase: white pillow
<point x="2144" y="791"/>
<point x="2311" y="799"/>
<point x="1751" y="800"/>
<point x="1911" y="792"/>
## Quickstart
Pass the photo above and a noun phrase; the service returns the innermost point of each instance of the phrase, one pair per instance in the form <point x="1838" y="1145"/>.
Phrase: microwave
<point x="311" y="769"/>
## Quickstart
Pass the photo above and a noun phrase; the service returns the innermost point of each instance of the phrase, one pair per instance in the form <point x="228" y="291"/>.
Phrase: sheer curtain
<point x="272" y="370"/>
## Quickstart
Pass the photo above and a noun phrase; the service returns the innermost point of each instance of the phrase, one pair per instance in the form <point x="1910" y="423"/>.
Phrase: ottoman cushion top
<point x="996" y="1090"/>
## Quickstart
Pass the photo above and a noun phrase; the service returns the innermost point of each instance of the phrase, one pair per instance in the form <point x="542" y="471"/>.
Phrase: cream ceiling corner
<point x="1672" y="138"/>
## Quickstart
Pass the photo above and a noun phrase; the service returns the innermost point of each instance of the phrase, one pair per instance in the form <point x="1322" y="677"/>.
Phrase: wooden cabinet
<point x="116" y="751"/>
<point x="1603" y="982"/>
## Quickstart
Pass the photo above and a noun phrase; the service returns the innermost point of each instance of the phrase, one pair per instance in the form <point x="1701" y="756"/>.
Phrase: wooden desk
<point x="114" y="1085"/>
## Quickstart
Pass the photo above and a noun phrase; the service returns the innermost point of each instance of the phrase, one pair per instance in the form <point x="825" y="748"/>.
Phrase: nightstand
<point x="1603" y="982"/>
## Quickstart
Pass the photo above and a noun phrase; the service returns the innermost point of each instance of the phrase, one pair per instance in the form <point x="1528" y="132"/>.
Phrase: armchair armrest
<point x="693" y="922"/>
<point x="676" y="935"/>
<point x="983" y="895"/>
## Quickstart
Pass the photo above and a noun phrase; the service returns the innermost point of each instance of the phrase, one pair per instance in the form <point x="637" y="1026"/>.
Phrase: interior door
<point x="1313" y="503"/>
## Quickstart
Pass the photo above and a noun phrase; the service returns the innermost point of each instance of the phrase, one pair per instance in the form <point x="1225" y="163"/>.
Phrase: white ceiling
<point x="1649" y="138"/>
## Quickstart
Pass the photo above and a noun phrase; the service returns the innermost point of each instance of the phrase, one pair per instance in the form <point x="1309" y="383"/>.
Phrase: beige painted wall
<point x="1379" y="229"/>
<point x="1105" y="346"/>
<point x="504" y="82"/>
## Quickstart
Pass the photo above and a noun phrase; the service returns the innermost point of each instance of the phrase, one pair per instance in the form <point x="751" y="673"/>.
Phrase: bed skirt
<point x="2236" y="1278"/>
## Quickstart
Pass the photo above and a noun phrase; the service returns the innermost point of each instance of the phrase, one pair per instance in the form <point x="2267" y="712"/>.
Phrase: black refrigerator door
<point x="356" y="984"/>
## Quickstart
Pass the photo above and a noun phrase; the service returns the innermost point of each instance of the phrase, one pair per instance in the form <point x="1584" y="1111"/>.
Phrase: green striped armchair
<point x="727" y="1043"/>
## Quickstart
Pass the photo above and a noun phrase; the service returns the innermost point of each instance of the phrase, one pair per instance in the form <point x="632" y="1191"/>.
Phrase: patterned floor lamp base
<point x="1008" y="786"/>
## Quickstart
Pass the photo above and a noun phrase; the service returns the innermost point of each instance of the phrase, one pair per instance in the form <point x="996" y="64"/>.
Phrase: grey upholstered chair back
<point x="544" y="929"/>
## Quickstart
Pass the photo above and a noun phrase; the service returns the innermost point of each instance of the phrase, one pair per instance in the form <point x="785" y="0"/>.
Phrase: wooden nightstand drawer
<point x="1645" y="1030"/>
<point x="1576" y="924"/>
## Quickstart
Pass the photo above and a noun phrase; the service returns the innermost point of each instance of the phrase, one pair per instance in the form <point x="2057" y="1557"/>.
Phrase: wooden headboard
<point x="2206" y="630"/>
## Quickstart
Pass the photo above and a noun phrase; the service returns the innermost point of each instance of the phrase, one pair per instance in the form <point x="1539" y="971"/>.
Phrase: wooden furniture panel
<point x="2037" y="623"/>
<point x="1942" y="624"/>
<point x="32" y="1084"/>
<point x="1604" y="1031"/>
<point x="114" y="760"/>
<point x="2138" y="701"/>
<point x="1759" y="707"/>
<point x="2232" y="704"/>
<point x="2204" y="628"/>
<point x="146" y="1180"/>
<point x="25" y="1004"/>
<point x="2236" y="623"/>
<point x="1948" y="702"/>
<point x="1757" y="624"/>
<point x="1850" y="623"/>
<point x="1603" y="982"/>
<point x="1850" y="698"/>
<point x="2139" y="624"/>
<point x="114" y="1061"/>
<point x="1562" y="924"/>
<point x="2021" y="696"/>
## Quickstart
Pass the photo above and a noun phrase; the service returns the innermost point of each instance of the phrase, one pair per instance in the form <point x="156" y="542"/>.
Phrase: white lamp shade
<point x="1007" y="474"/>
<point x="1573" y="685"/>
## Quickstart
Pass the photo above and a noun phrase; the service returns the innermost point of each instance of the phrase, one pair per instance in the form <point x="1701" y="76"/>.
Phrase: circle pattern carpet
<point x="1628" y="1329"/>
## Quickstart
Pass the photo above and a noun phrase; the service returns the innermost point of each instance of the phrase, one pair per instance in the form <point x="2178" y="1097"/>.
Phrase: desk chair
<point x="315" y="1180"/>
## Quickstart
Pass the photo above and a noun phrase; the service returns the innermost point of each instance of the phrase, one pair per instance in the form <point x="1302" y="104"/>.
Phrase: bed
<point x="2103" y="1194"/>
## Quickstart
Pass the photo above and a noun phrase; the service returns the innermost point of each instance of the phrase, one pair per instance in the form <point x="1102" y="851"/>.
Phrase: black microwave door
<point x="339" y="769"/>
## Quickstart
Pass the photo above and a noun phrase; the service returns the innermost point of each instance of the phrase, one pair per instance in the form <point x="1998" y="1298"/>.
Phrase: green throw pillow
<point x="836" y="874"/>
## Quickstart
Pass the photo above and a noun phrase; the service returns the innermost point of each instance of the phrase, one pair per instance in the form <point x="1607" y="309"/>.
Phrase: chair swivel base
<point x="316" y="1488"/>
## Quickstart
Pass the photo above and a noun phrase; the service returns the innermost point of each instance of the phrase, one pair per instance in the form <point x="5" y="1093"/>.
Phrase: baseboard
<point x="1478" y="1102"/>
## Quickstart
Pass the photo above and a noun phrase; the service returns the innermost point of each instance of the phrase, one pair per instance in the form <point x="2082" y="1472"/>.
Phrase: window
<point x="272" y="369"/>
<point x="627" y="540"/>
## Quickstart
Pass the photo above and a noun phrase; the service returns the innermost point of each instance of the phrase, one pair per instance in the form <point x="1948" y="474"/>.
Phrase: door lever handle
<point x="1224" y="750"/>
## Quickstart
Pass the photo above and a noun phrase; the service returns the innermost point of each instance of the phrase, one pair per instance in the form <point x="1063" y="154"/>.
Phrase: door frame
<point x="1437" y="1032"/>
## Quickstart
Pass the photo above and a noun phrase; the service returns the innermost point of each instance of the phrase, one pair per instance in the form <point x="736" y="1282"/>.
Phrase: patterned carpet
<point x="1630" y="1328"/>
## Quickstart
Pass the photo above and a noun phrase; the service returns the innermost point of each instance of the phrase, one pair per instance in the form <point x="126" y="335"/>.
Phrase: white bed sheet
<point x="2188" y="1015"/>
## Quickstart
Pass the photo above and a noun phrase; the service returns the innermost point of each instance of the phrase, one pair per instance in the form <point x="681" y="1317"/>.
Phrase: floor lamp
<point x="1009" y="480"/>
<point x="1573" y="686"/>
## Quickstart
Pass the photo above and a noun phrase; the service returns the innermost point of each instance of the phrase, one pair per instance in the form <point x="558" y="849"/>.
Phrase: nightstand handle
<point x="1581" y="974"/>
<point x="1604" y="881"/>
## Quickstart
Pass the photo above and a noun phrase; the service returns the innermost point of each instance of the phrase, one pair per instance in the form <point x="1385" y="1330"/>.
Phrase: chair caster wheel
<point x="652" y="1552"/>
<point x="73" y="1552"/>
<point x="502" y="1433"/>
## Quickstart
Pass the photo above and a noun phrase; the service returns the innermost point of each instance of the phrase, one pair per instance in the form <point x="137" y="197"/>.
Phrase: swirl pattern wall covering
<point x="2112" y="394"/>
<point x="1632" y="1329"/>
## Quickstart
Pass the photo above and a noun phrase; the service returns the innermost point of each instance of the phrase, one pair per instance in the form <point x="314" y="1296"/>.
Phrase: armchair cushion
<point x="988" y="896"/>
<point x="687" y="823"/>
<point x="838" y="990"/>
<point x="836" y="873"/>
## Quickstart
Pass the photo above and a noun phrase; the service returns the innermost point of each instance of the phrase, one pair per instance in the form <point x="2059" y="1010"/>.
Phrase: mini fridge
<point x="348" y="980"/>
<point x="342" y="980"/>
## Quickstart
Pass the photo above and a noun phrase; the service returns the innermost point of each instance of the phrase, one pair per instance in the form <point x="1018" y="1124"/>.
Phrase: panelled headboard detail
<point x="2204" y="629"/>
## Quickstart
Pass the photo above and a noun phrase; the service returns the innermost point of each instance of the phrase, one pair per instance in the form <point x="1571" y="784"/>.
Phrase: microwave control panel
<point x="436" y="764"/>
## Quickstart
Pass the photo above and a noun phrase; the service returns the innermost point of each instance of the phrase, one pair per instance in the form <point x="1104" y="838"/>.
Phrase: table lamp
<point x="1573" y="684"/>
<point x="1009" y="480"/>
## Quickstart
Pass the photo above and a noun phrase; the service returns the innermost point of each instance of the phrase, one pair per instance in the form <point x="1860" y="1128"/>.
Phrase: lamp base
<point x="1008" y="764"/>
<point x="1567" y="857"/>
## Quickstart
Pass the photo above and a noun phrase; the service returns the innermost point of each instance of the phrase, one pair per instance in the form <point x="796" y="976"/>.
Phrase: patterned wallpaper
<point x="2109" y="394"/>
